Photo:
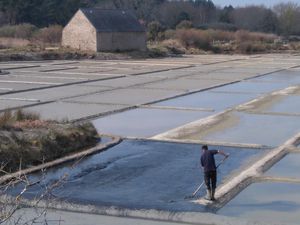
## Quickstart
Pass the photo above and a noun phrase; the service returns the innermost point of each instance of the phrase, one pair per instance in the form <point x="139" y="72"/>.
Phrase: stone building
<point x="104" y="30"/>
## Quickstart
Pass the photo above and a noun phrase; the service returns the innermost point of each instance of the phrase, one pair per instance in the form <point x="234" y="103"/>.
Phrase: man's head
<point x="204" y="147"/>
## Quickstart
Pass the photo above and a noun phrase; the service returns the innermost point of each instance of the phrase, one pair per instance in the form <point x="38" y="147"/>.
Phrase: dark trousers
<point x="210" y="179"/>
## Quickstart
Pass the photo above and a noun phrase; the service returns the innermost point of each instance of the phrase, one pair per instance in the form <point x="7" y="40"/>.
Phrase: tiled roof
<point x="113" y="20"/>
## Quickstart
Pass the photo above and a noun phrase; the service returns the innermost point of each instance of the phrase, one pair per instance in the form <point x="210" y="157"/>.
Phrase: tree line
<point x="281" y="19"/>
<point x="40" y="12"/>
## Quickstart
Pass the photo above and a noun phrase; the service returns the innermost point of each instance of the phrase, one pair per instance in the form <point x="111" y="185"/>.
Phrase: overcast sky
<point x="249" y="2"/>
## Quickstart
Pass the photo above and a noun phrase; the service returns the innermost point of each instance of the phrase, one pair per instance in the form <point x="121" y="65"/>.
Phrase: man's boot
<point x="208" y="194"/>
<point x="212" y="196"/>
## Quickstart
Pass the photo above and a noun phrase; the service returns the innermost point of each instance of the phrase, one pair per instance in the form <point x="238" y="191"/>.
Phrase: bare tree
<point x="255" y="18"/>
<point x="11" y="204"/>
<point x="143" y="9"/>
<point x="289" y="17"/>
<point x="198" y="12"/>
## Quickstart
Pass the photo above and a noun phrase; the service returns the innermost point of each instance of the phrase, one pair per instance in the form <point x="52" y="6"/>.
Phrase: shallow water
<point x="290" y="104"/>
<point x="271" y="202"/>
<point x="287" y="77"/>
<point x="210" y="100"/>
<point x="252" y="87"/>
<point x="259" y="129"/>
<point x="145" y="122"/>
<point x="140" y="175"/>
<point x="288" y="167"/>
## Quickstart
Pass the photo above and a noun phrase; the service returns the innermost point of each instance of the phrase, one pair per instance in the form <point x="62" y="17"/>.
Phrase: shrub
<point x="24" y="31"/>
<point x="155" y="30"/>
<point x="170" y="34"/>
<point x="185" y="24"/>
<point x="6" y="119"/>
<point x="156" y="51"/>
<point x="218" y="35"/>
<point x="218" y="26"/>
<point x="13" y="43"/>
<point x="9" y="118"/>
<point x="295" y="46"/>
<point x="49" y="35"/>
<point x="173" y="46"/>
<point x="243" y="36"/>
<point x="22" y="115"/>
<point x="250" y="47"/>
<point x="194" y="38"/>
<point x="203" y="39"/>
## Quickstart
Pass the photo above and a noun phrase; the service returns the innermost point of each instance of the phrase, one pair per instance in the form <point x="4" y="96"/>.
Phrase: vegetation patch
<point x="26" y="140"/>
<point x="198" y="41"/>
<point x="173" y="28"/>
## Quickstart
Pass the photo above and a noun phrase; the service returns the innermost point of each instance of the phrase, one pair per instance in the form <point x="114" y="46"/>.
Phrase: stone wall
<point x="80" y="34"/>
<point x="122" y="41"/>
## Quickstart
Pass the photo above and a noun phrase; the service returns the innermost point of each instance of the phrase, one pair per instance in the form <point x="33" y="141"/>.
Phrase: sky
<point x="234" y="3"/>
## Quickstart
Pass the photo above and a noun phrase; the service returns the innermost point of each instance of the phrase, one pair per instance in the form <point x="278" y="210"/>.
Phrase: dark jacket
<point x="208" y="160"/>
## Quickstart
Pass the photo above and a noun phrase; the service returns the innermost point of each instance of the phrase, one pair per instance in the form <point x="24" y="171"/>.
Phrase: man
<point x="210" y="170"/>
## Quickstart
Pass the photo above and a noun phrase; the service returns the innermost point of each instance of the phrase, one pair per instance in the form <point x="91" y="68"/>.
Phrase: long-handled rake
<point x="200" y="186"/>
